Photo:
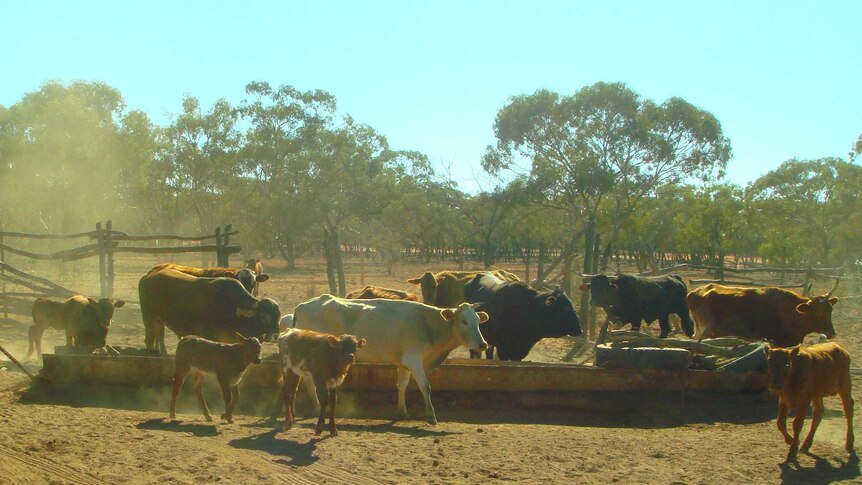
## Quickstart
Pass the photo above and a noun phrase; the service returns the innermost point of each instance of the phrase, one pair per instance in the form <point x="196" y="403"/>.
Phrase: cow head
<point x="250" y="348"/>
<point x="103" y="309"/>
<point x="561" y="319"/>
<point x="465" y="322"/>
<point x="429" y="286"/>
<point x="817" y="311"/>
<point x="602" y="290"/>
<point x="780" y="360"/>
<point x="264" y="315"/>
<point x="344" y="347"/>
<point x="247" y="278"/>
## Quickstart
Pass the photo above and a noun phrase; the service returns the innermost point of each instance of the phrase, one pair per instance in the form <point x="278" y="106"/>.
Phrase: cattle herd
<point x="221" y="322"/>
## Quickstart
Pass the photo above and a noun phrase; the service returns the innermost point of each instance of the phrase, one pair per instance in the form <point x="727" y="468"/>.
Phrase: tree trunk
<point x="589" y="235"/>
<point x="330" y="261"/>
<point x="339" y="263"/>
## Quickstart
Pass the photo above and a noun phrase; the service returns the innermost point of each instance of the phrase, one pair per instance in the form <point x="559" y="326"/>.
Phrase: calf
<point x="227" y="361"/>
<point x="256" y="266"/>
<point x="804" y="374"/>
<point x="85" y="320"/>
<point x="321" y="357"/>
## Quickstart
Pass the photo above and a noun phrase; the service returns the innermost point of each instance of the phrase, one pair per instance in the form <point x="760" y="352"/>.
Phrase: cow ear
<point x="262" y="277"/>
<point x="584" y="287"/>
<point x="803" y="307"/>
<point x="415" y="281"/>
<point x="119" y="303"/>
<point x="360" y="343"/>
<point x="550" y="301"/>
<point x="833" y="300"/>
<point x="240" y="336"/>
<point x="92" y="301"/>
<point x="333" y="342"/>
<point x="483" y="317"/>
<point x="448" y="314"/>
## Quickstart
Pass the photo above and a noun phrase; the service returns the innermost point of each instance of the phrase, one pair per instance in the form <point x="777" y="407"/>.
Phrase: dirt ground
<point x="50" y="437"/>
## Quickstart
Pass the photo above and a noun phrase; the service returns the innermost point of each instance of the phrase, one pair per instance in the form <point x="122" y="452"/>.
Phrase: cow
<point x="520" y="316"/>
<point x="413" y="336"/>
<point x="322" y="358"/>
<point x="85" y="321"/>
<point x="372" y="292"/>
<point x="212" y="308"/>
<point x="801" y="375"/>
<point x="633" y="299"/>
<point x="446" y="288"/>
<point x="774" y="314"/>
<point x="248" y="277"/>
<point x="227" y="361"/>
<point x="255" y="265"/>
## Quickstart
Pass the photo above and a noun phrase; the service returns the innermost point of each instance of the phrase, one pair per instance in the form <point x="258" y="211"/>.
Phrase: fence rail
<point x="107" y="243"/>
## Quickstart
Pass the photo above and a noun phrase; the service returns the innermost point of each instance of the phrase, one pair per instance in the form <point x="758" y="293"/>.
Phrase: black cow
<point x="632" y="299"/>
<point x="480" y="289"/>
<point x="519" y="316"/>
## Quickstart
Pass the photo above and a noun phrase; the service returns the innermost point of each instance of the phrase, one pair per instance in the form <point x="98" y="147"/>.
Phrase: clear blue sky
<point x="782" y="77"/>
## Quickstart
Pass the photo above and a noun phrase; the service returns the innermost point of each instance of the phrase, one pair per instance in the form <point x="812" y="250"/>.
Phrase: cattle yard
<point x="652" y="426"/>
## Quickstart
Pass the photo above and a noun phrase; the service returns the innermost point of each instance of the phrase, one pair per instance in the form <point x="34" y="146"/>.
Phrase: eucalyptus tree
<point x="605" y="146"/>
<point x="198" y="161"/>
<point x="285" y="124"/>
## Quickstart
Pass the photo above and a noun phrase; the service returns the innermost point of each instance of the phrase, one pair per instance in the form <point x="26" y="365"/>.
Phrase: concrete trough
<point x="454" y="375"/>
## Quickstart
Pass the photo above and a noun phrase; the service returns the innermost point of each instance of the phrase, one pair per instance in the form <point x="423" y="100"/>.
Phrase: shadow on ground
<point x="276" y="444"/>
<point x="824" y="471"/>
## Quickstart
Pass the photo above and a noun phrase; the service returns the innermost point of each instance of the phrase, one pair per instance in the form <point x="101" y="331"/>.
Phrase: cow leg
<point x="227" y="393"/>
<point x="68" y="337"/>
<point x="34" y="337"/>
<point x="664" y="324"/>
<point x="333" y="397"/>
<point x="783" y="410"/>
<point x="415" y="366"/>
<point x="847" y="403"/>
<point x="179" y="379"/>
<point x="798" y="421"/>
<point x="474" y="354"/>
<point x="162" y="348"/>
<point x="402" y="379"/>
<point x="311" y="390"/>
<point x="199" y="392"/>
<point x="816" y="416"/>
<point x="323" y="397"/>
<point x="489" y="352"/>
<point x="706" y="332"/>
<point x="291" y="383"/>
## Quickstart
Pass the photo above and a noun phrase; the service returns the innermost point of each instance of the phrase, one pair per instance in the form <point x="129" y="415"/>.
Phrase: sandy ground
<point x="50" y="437"/>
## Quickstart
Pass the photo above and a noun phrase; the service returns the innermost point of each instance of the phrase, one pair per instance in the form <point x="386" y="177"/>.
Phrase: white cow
<point x="415" y="337"/>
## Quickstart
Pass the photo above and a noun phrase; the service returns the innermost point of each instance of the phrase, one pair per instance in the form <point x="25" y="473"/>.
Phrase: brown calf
<point x="85" y="320"/>
<point x="370" y="292"/>
<point x="801" y="375"/>
<point x="255" y="265"/>
<point x="227" y="361"/>
<point x="320" y="357"/>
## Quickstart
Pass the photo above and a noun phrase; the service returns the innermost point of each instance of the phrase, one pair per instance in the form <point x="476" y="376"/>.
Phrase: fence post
<point x="109" y="254"/>
<point x="100" y="240"/>
<point x="225" y="241"/>
<point x="218" y="247"/>
<point x="3" y="280"/>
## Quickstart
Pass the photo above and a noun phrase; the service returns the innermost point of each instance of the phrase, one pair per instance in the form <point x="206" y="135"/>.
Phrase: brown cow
<point x="85" y="320"/>
<point x="321" y="357"/>
<point x="248" y="277"/>
<point x="255" y="265"/>
<point x="780" y="316"/>
<point x="212" y="308"/>
<point x="371" y="292"/>
<point x="446" y="288"/>
<point x="804" y="374"/>
<point x="227" y="361"/>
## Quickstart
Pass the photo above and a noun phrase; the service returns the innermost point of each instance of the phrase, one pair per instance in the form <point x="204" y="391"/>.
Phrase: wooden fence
<point x="105" y="243"/>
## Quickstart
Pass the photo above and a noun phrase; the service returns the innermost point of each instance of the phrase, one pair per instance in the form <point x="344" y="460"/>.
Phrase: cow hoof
<point x="317" y="432"/>
<point x="333" y="432"/>
<point x="285" y="427"/>
<point x="432" y="422"/>
<point x="209" y="418"/>
<point x="227" y="417"/>
<point x="402" y="417"/>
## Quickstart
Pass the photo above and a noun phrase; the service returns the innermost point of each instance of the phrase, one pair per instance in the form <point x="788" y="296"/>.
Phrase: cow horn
<point x="834" y="287"/>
